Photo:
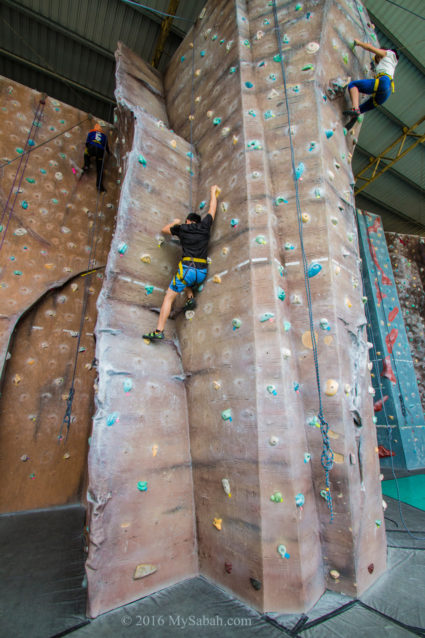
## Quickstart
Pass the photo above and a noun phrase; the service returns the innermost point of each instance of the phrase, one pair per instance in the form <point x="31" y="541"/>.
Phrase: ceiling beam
<point x="420" y="228"/>
<point x="56" y="76"/>
<point x="380" y="160"/>
<point x="55" y="26"/>
<point x="165" y="30"/>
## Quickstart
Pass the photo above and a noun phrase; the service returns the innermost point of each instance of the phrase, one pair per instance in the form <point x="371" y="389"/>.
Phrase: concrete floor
<point x="42" y="593"/>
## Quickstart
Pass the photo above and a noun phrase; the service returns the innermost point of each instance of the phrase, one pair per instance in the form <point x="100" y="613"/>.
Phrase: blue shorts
<point x="186" y="277"/>
<point x="368" y="86"/>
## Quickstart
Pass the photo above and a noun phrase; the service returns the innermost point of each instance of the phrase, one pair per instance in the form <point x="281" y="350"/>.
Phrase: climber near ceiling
<point x="380" y="87"/>
<point x="96" y="145"/>
<point x="194" y="236"/>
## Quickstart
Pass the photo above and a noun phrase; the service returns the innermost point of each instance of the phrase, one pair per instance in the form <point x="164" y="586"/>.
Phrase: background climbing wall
<point x="50" y="224"/>
<point x="399" y="414"/>
<point x="249" y="348"/>
<point x="407" y="254"/>
<point x="142" y="526"/>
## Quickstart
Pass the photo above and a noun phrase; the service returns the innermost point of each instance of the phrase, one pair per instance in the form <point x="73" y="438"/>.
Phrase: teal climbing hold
<point x="111" y="419"/>
<point x="299" y="500"/>
<point x="282" y="551"/>
<point x="182" y="59"/>
<point x="286" y="325"/>
<point x="149" y="290"/>
<point x="272" y="77"/>
<point x="249" y="85"/>
<point x="281" y="294"/>
<point x="236" y="323"/>
<point x="202" y="205"/>
<point x="280" y="200"/>
<point x="233" y="69"/>
<point x="142" y="160"/>
<point x="252" y="113"/>
<point x="298" y="6"/>
<point x="127" y="385"/>
<point x="289" y="246"/>
<point x="226" y="415"/>
<point x="260" y="239"/>
<point x="314" y="269"/>
<point x="54" y="200"/>
<point x="271" y="389"/>
<point x="31" y="143"/>
<point x="268" y="115"/>
<point x="19" y="150"/>
<point x="277" y="58"/>
<point x="234" y="222"/>
<point x="329" y="133"/>
<point x="30" y="180"/>
<point x="122" y="248"/>
<point x="24" y="204"/>
<point x="202" y="54"/>
<point x="216" y="121"/>
<point x="299" y="170"/>
<point x="17" y="272"/>
<point x="189" y="154"/>
<point x="266" y="316"/>
<point x="142" y="486"/>
<point x="254" y="145"/>
<point x="247" y="43"/>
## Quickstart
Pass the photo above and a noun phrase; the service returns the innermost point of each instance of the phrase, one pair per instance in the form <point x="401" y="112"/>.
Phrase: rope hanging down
<point x="88" y="274"/>
<point x="34" y="125"/>
<point x="327" y="456"/>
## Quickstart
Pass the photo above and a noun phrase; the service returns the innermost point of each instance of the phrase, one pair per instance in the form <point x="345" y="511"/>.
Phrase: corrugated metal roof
<point x="75" y="41"/>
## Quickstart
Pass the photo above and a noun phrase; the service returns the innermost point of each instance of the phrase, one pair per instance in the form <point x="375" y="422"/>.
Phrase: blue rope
<point x="327" y="456"/>
<point x="160" y="13"/>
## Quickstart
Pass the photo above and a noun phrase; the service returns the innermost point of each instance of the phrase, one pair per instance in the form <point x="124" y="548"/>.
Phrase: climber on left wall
<point x="194" y="236"/>
<point x="96" y="145"/>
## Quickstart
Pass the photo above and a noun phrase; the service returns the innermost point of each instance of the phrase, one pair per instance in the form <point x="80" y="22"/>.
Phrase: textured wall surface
<point x="398" y="410"/>
<point x="53" y="225"/>
<point x="247" y="355"/>
<point x="140" y="481"/>
<point x="407" y="254"/>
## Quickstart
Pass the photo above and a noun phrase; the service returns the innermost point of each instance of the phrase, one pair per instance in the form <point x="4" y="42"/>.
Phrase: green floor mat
<point x="411" y="488"/>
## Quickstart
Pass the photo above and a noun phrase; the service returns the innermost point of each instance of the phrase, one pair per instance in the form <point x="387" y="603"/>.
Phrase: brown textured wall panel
<point x="53" y="226"/>
<point x="407" y="254"/>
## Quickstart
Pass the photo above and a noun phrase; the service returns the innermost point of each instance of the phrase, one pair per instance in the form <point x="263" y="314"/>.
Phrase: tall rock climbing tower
<point x="268" y="383"/>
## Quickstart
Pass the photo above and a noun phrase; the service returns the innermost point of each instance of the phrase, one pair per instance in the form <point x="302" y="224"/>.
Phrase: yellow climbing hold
<point x="217" y="522"/>
<point x="16" y="379"/>
<point x="328" y="340"/>
<point x="331" y="387"/>
<point x="306" y="339"/>
<point x="348" y="303"/>
<point x="217" y="279"/>
<point x="173" y="143"/>
<point x="146" y="259"/>
<point x="155" y="449"/>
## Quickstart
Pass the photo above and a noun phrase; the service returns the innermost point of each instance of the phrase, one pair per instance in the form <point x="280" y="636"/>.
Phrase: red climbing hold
<point x="379" y="295"/>
<point x="393" y="314"/>
<point x="385" y="280"/>
<point x="377" y="406"/>
<point x="390" y="339"/>
<point x="383" y="452"/>
<point x="375" y="226"/>
<point x="387" y="370"/>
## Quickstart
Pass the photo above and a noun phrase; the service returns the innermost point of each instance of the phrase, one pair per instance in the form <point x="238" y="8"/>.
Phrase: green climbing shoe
<point x="156" y="335"/>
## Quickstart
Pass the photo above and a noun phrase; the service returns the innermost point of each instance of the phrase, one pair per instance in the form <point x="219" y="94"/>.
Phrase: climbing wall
<point x="407" y="254"/>
<point x="50" y="222"/>
<point x="399" y="414"/>
<point x="249" y="348"/>
<point x="286" y="495"/>
<point x="141" y="522"/>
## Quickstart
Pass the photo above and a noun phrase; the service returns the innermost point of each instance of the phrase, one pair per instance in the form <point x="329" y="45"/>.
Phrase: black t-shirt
<point x="194" y="238"/>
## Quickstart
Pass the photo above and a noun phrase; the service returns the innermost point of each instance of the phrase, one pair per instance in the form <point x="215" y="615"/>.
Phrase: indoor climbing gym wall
<point x="141" y="523"/>
<point x="268" y="379"/>
<point x="305" y="508"/>
<point x="399" y="415"/>
<point x="407" y="254"/>
<point x="54" y="228"/>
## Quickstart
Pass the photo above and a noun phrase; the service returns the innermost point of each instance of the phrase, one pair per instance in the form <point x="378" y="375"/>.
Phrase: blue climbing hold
<point x="234" y="222"/>
<point x="31" y="143"/>
<point x="24" y="205"/>
<point x="202" y="205"/>
<point x="299" y="170"/>
<point x="249" y="85"/>
<point x="111" y="419"/>
<point x="122" y="248"/>
<point x="329" y="133"/>
<point x="314" y="269"/>
<point x="127" y="385"/>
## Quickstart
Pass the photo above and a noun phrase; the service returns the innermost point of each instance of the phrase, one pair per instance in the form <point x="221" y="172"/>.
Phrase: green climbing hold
<point x="142" y="160"/>
<point x="307" y="67"/>
<point x="260" y="239"/>
<point x="281" y="294"/>
<point x="19" y="150"/>
<point x="142" y="486"/>
<point x="17" y="272"/>
<point x="226" y="415"/>
<point x="216" y="121"/>
<point x="277" y="58"/>
<point x="276" y="497"/>
<point x="30" y="180"/>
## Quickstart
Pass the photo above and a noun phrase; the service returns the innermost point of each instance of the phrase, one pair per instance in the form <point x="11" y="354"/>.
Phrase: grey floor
<point x="41" y="592"/>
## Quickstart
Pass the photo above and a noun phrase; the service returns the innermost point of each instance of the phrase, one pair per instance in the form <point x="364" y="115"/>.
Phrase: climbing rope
<point x="67" y="419"/>
<point x="31" y="135"/>
<point x="381" y="390"/>
<point x="327" y="456"/>
<point x="192" y="115"/>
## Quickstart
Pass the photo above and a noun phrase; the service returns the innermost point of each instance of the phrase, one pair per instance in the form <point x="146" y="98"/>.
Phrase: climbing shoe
<point x="156" y="335"/>
<point x="190" y="304"/>
<point x="352" y="112"/>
